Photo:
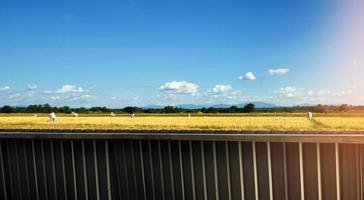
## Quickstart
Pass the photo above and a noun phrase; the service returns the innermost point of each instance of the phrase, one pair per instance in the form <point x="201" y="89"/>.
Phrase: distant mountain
<point x="186" y="106"/>
<point x="261" y="104"/>
<point x="258" y="104"/>
<point x="20" y="106"/>
<point x="153" y="106"/>
<point x="305" y="105"/>
<point x="222" y="105"/>
<point x="190" y="106"/>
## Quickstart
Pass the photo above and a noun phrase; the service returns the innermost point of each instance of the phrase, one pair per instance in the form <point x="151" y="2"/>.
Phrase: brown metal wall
<point x="172" y="169"/>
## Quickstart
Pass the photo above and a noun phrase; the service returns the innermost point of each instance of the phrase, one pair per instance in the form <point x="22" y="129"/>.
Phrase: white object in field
<point x="35" y="115"/>
<point x="74" y="114"/>
<point x="112" y="114"/>
<point x="310" y="116"/>
<point x="189" y="114"/>
<point x="132" y="115"/>
<point x="52" y="117"/>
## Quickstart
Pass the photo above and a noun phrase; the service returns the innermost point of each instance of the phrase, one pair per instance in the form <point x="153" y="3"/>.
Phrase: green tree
<point x="169" y="109"/>
<point x="343" y="107"/>
<point x="130" y="109"/>
<point x="65" y="109"/>
<point x="233" y="109"/>
<point x="47" y="108"/>
<point x="7" y="109"/>
<point x="249" y="108"/>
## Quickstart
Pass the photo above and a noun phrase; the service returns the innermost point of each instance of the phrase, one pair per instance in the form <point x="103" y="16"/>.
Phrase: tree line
<point x="248" y="108"/>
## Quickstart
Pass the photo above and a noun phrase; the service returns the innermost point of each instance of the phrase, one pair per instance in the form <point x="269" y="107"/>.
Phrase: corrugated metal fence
<point x="181" y="166"/>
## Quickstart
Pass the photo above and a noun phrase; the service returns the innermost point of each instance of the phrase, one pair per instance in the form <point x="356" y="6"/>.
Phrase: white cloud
<point x="31" y="90"/>
<point x="222" y="94"/>
<point x="32" y="87"/>
<point x="278" y="71"/>
<point x="70" y="94"/>
<point x="72" y="98"/>
<point x="87" y="96"/>
<point x="289" y="91"/>
<point x="81" y="97"/>
<point x="31" y="93"/>
<point x="53" y="98"/>
<point x="248" y="76"/>
<point x="221" y="89"/>
<point x="294" y="96"/>
<point x="180" y="87"/>
<point x="67" y="89"/>
<point x="5" y="88"/>
<point x="113" y="98"/>
<point x="14" y="96"/>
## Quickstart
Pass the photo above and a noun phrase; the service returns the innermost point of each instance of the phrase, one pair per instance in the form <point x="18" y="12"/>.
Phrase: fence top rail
<point x="257" y="136"/>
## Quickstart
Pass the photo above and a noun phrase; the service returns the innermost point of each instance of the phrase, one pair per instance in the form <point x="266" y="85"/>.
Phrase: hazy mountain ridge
<point x="258" y="104"/>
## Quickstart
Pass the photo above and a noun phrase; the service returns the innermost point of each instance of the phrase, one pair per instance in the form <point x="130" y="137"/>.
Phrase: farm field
<point x="211" y="122"/>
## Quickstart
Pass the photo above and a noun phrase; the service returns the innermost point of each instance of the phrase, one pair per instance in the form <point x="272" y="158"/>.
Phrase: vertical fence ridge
<point x="64" y="177"/>
<point x="2" y="171"/>
<point x="319" y="185"/>
<point x="44" y="170"/>
<point x="142" y="168"/>
<point x="215" y="171"/>
<point x="54" y="172"/>
<point x="285" y="171"/>
<point x="302" y="177"/>
<point x="192" y="168"/>
<point x="337" y="168"/>
<point x="108" y="170"/>
<point x="74" y="169"/>
<point x="171" y="169"/>
<point x="228" y="168"/>
<point x="161" y="170"/>
<point x="270" y="171"/>
<point x="256" y="185"/>
<point x="241" y="167"/>
<point x="203" y="170"/>
<point x="26" y="168"/>
<point x="96" y="170"/>
<point x="84" y="168"/>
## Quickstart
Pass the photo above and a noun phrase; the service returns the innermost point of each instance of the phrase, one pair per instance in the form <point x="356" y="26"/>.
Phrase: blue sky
<point x="118" y="53"/>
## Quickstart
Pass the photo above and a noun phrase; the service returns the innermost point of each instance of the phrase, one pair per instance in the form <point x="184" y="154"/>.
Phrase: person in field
<point x="52" y="117"/>
<point x="310" y="116"/>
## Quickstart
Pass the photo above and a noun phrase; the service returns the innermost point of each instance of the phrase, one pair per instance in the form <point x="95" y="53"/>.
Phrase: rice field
<point x="186" y="123"/>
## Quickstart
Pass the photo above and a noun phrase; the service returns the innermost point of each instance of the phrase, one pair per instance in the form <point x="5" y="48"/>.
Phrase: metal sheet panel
<point x="56" y="168"/>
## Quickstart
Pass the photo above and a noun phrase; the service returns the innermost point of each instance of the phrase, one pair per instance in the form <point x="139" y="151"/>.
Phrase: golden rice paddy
<point x="186" y="123"/>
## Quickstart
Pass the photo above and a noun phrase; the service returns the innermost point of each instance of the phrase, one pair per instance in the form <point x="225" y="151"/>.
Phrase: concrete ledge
<point x="200" y="135"/>
<point x="177" y="131"/>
